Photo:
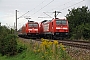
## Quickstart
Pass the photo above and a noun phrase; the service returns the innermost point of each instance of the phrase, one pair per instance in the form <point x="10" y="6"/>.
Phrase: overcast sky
<point x="36" y="9"/>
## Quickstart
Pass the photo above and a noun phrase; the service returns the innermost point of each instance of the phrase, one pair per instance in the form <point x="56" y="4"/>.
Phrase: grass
<point x="23" y="56"/>
<point x="46" y="50"/>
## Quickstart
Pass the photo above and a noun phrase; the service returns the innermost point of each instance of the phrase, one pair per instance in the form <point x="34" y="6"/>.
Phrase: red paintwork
<point x="51" y="27"/>
<point x="26" y="29"/>
<point x="55" y="27"/>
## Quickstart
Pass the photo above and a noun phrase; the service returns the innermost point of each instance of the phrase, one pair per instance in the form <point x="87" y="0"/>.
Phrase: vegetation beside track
<point x="8" y="42"/>
<point x="45" y="50"/>
<point x="79" y="23"/>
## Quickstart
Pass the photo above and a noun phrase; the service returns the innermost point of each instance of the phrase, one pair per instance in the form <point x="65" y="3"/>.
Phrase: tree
<point x="79" y="21"/>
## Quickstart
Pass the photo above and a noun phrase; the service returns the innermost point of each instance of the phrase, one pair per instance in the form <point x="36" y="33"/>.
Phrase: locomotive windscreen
<point x="33" y="25"/>
<point x="64" y="22"/>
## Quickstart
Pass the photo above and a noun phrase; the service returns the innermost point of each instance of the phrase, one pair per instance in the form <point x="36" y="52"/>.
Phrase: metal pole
<point x="16" y="20"/>
<point x="14" y="25"/>
<point x="0" y="23"/>
<point x="55" y="14"/>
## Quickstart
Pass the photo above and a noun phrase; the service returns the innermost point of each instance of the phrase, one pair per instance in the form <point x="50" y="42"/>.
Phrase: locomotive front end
<point x="62" y="28"/>
<point x="32" y="29"/>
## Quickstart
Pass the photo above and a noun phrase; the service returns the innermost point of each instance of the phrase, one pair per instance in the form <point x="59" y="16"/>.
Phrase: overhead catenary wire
<point x="47" y="15"/>
<point x="37" y="5"/>
<point x="50" y="3"/>
<point x="68" y="6"/>
<point x="22" y="15"/>
<point x="60" y="5"/>
<point x="43" y="7"/>
<point x="63" y="4"/>
<point x="31" y="10"/>
<point x="73" y="5"/>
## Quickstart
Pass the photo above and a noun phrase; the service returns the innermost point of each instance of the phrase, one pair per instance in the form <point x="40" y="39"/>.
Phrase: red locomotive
<point x="55" y="28"/>
<point x="30" y="29"/>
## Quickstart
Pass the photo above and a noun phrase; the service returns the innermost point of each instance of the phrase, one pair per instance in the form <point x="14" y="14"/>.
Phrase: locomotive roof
<point x="32" y="21"/>
<point x="46" y="21"/>
<point x="43" y="21"/>
<point x="60" y="19"/>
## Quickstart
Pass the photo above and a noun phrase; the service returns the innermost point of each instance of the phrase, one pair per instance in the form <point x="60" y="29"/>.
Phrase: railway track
<point x="78" y="44"/>
<point x="75" y="43"/>
<point x="72" y="43"/>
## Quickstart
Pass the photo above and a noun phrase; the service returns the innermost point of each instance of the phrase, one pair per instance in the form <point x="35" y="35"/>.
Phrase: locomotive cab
<point x="32" y="29"/>
<point x="61" y="27"/>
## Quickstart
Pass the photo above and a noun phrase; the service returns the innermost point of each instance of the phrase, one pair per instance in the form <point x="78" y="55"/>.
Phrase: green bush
<point x="8" y="45"/>
<point x="20" y="48"/>
<point x="8" y="42"/>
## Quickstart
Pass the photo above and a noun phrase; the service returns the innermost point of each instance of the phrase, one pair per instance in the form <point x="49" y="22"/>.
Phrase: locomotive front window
<point x="33" y="25"/>
<point x="64" y="21"/>
<point x="30" y="25"/>
<point x="61" y="22"/>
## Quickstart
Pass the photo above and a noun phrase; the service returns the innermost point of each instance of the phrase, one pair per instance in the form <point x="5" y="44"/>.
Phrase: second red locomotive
<point x="55" y="28"/>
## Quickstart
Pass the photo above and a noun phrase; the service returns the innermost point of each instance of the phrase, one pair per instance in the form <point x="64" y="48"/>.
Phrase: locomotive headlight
<point x="36" y="29"/>
<point x="29" y="29"/>
<point x="65" y="28"/>
<point x="61" y="28"/>
<point x="58" y="28"/>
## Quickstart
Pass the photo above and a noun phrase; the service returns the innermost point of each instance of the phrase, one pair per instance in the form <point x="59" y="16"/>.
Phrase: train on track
<point x="30" y="29"/>
<point x="55" y="28"/>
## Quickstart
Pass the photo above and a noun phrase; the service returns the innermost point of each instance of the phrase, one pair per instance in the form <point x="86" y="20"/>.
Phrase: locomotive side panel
<point x="46" y="27"/>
